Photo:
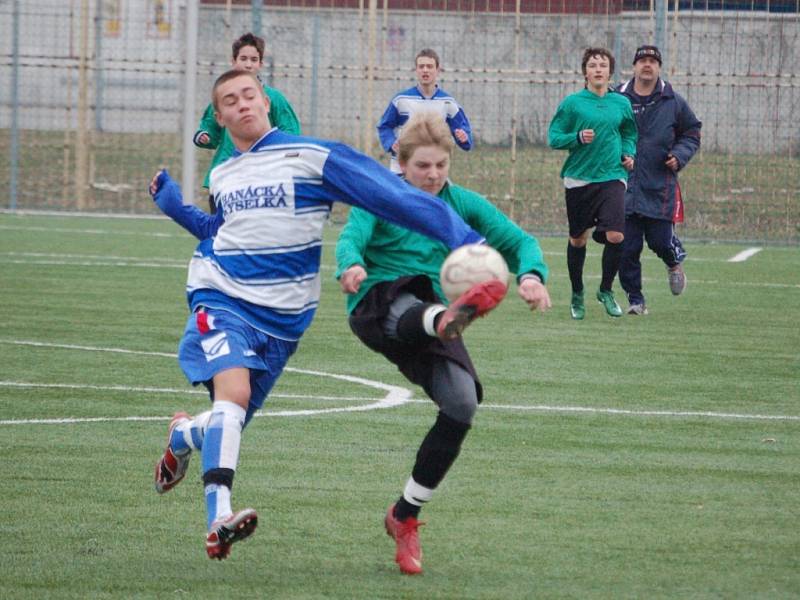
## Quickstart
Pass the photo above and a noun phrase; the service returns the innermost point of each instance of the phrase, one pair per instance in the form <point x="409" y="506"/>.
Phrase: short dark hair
<point x="590" y="52"/>
<point x="248" y="39"/>
<point x="227" y="76"/>
<point x="427" y="53"/>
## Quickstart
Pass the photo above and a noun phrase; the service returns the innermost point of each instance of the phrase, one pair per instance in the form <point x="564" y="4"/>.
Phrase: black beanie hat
<point x="651" y="51"/>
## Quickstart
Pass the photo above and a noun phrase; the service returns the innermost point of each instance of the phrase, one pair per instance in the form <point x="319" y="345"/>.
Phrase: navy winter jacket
<point x="666" y="126"/>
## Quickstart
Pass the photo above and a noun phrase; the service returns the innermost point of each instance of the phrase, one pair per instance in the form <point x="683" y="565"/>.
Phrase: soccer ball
<point x="469" y="265"/>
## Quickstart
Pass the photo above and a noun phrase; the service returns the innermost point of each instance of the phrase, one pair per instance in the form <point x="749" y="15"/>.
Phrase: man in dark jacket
<point x="669" y="135"/>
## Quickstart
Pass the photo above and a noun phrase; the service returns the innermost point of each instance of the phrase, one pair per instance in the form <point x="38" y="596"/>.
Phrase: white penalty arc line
<point x="744" y="255"/>
<point x="396" y="397"/>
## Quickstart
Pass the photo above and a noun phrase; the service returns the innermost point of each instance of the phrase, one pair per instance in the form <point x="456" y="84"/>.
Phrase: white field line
<point x="178" y="233"/>
<point x="634" y="413"/>
<point x="744" y="255"/>
<point x="76" y="260"/>
<point x="395" y="397"/>
<point x="92" y="260"/>
<point x="157" y="234"/>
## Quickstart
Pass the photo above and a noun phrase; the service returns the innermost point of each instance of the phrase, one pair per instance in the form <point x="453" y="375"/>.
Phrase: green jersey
<point x="388" y="251"/>
<point x="615" y="134"/>
<point x="281" y="115"/>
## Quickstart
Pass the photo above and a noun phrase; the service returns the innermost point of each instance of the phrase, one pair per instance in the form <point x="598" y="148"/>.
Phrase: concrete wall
<point x="739" y="71"/>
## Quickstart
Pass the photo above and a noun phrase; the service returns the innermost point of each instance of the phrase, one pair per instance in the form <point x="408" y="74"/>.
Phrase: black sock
<point x="410" y="328"/>
<point x="575" y="259"/>
<point x="612" y="254"/>
<point x="403" y="509"/>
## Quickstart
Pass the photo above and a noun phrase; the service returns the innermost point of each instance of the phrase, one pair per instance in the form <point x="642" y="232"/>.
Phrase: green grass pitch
<point x="654" y="457"/>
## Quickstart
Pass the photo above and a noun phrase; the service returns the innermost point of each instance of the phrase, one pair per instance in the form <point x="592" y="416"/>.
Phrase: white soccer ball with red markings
<point x="469" y="265"/>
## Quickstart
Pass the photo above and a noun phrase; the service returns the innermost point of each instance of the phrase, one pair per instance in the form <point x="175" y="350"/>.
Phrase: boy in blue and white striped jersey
<point x="253" y="284"/>
<point x="425" y="96"/>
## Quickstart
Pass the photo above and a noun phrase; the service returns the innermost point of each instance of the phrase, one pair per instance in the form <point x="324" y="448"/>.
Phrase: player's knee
<point x="462" y="409"/>
<point x="233" y="389"/>
<point x="578" y="242"/>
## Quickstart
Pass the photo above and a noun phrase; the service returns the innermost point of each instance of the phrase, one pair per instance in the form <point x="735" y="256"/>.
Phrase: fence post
<point x="661" y="28"/>
<point x="14" y="150"/>
<point x="189" y="100"/>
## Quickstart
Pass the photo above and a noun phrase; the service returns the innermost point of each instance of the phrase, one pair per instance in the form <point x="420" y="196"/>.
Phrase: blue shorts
<point x="217" y="340"/>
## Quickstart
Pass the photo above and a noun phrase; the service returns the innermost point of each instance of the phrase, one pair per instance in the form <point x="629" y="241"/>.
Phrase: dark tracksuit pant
<point x="661" y="239"/>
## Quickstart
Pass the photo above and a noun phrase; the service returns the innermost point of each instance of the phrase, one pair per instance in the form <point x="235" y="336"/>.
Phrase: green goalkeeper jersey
<point x="281" y="115"/>
<point x="615" y="134"/>
<point x="388" y="251"/>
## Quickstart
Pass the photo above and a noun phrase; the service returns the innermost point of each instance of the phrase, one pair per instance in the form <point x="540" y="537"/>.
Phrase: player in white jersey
<point x="425" y="96"/>
<point x="253" y="284"/>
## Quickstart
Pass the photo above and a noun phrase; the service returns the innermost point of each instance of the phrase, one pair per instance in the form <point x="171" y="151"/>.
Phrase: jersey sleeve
<point x="520" y="249"/>
<point x="386" y="126"/>
<point x="460" y="121"/>
<point x="208" y="124"/>
<point x="562" y="135"/>
<point x="359" y="180"/>
<point x="170" y="200"/>
<point x="353" y="239"/>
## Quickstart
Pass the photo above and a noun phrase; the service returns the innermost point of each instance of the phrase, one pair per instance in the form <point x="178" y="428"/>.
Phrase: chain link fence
<point x="93" y="93"/>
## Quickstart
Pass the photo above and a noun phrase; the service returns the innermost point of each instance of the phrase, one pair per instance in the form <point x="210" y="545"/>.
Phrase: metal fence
<point x="97" y="94"/>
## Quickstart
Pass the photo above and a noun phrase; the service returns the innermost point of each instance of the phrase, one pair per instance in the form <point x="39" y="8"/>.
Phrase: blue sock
<point x="189" y="436"/>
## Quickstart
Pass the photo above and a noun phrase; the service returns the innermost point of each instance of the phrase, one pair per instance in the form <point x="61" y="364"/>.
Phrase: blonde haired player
<point x="253" y="285"/>
<point x="396" y="307"/>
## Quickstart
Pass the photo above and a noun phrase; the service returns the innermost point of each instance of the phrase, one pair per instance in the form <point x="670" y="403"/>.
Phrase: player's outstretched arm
<point x="361" y="181"/>
<point x="167" y="195"/>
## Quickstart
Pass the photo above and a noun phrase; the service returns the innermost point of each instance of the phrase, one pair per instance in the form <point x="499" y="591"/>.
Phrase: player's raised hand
<point x="351" y="279"/>
<point x="461" y="135"/>
<point x="203" y="138"/>
<point x="535" y="294"/>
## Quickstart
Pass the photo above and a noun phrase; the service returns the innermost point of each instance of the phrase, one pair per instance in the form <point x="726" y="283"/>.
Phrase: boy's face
<point x="242" y="108"/>
<point x="598" y="71"/>
<point x="427" y="168"/>
<point x="247" y="60"/>
<point x="427" y="71"/>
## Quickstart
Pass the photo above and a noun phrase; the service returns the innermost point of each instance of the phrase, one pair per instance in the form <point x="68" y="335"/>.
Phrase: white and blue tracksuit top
<point x="410" y="101"/>
<point x="259" y="255"/>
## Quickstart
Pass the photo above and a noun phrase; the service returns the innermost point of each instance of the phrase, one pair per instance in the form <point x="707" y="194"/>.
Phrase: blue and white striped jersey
<point x="259" y="255"/>
<point x="410" y="101"/>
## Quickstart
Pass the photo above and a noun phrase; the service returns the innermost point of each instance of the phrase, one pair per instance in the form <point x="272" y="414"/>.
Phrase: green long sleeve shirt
<point x="387" y="251"/>
<point x="615" y="134"/>
<point x="281" y="115"/>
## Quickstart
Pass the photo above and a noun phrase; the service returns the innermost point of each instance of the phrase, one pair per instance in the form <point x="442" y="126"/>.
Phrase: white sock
<point x="429" y="318"/>
<point x="416" y="494"/>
